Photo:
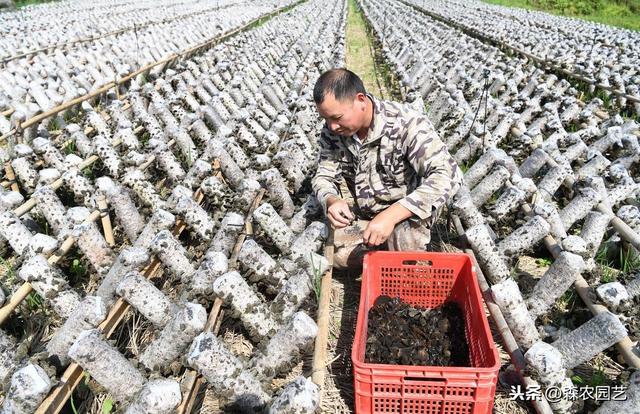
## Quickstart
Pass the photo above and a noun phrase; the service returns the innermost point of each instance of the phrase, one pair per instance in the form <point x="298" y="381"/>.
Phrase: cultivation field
<point x="160" y="247"/>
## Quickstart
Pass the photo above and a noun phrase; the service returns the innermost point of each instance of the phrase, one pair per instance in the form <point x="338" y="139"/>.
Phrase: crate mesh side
<point x="480" y="355"/>
<point x="427" y="287"/>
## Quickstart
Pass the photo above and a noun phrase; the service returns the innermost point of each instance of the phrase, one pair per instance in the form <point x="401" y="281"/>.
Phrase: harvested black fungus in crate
<point x="401" y="334"/>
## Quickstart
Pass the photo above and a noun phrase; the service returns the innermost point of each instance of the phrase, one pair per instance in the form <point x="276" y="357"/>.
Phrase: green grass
<point x="568" y="300"/>
<point x="55" y="124"/>
<point x="317" y="279"/>
<point x="619" y="13"/>
<point x="608" y="273"/>
<point x="610" y="264"/>
<point x="545" y="262"/>
<point x="8" y="272"/>
<point x="71" y="116"/>
<point x="34" y="302"/>
<point x="597" y="379"/>
<point x="573" y="127"/>
<point x="107" y="406"/>
<point x="71" y="148"/>
<point x="23" y="3"/>
<point x="88" y="172"/>
<point x="469" y="163"/>
<point x="78" y="271"/>
<point x="73" y="405"/>
<point x="492" y="200"/>
<point x="262" y="20"/>
<point x="185" y="159"/>
<point x="359" y="57"/>
<point x="629" y="262"/>
<point x="363" y="56"/>
<point x="144" y="138"/>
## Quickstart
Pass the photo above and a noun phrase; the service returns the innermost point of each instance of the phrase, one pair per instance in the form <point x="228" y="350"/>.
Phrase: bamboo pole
<point x="55" y="401"/>
<point x="625" y="345"/>
<point x="89" y="129"/>
<point x="68" y="382"/>
<point x="320" y="347"/>
<point x="31" y="203"/>
<point x="16" y="299"/>
<point x="8" y="171"/>
<point x="106" y="221"/>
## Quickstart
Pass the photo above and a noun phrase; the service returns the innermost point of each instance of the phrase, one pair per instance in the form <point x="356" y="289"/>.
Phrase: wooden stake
<point x="15" y="300"/>
<point x="320" y="347"/>
<point x="8" y="171"/>
<point x="56" y="400"/>
<point x="106" y="221"/>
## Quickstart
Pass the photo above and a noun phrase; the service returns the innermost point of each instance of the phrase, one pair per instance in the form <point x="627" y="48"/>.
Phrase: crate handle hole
<point x="423" y="379"/>
<point x="412" y="262"/>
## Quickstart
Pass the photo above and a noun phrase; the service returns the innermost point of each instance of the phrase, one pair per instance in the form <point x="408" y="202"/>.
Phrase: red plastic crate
<point x="425" y="279"/>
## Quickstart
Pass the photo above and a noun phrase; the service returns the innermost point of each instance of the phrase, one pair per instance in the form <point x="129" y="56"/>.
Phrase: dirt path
<point x="359" y="52"/>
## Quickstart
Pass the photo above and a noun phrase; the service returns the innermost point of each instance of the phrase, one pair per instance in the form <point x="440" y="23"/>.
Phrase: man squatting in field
<point x="394" y="164"/>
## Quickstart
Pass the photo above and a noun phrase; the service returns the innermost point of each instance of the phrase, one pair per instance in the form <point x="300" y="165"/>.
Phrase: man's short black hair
<point x="341" y="83"/>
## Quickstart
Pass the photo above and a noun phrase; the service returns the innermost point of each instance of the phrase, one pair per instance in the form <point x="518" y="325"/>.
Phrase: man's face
<point x="343" y="117"/>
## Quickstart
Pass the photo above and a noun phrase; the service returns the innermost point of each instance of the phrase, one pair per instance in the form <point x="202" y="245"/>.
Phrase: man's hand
<point x="380" y="228"/>
<point x="338" y="212"/>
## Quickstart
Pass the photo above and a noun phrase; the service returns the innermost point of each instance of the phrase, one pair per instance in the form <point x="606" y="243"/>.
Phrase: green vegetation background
<point x="22" y="3"/>
<point x="621" y="13"/>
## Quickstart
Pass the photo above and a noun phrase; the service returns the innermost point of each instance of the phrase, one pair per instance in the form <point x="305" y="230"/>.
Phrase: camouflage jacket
<point x="402" y="159"/>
